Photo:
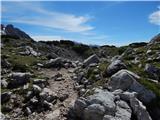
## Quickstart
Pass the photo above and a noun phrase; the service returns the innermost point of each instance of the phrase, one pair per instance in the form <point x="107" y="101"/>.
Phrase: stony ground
<point x="25" y="98"/>
<point x="65" y="86"/>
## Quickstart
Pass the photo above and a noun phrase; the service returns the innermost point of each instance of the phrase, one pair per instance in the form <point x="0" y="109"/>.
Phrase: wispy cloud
<point x="52" y="19"/>
<point x="154" y="18"/>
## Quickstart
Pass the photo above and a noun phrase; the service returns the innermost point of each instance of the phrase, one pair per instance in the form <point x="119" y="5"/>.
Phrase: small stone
<point x="27" y="111"/>
<point x="4" y="83"/>
<point x="82" y="91"/>
<point x="5" y="96"/>
<point x="59" y="79"/>
<point x="34" y="101"/>
<point x="62" y="97"/>
<point x="36" y="89"/>
<point x="48" y="105"/>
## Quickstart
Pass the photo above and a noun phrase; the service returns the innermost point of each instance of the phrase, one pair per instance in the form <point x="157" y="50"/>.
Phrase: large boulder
<point x="123" y="79"/>
<point x="92" y="59"/>
<point x="17" y="79"/>
<point x="152" y="71"/>
<point x="114" y="67"/>
<point x="126" y="80"/>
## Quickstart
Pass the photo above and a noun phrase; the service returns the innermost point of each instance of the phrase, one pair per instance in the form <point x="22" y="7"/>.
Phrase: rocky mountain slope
<point x="59" y="80"/>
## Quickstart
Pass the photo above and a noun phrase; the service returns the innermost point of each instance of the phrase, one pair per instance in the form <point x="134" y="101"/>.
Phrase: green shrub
<point x="136" y="45"/>
<point x="122" y="49"/>
<point x="80" y="48"/>
<point x="99" y="83"/>
<point x="67" y="42"/>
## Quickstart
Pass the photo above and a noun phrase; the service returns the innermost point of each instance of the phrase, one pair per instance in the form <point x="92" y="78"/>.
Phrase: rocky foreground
<point x="46" y="81"/>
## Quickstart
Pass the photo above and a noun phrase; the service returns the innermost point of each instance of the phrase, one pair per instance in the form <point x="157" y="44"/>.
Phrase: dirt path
<point x="61" y="87"/>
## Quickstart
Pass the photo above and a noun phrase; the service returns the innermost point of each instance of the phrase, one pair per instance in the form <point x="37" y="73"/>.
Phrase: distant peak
<point x="13" y="31"/>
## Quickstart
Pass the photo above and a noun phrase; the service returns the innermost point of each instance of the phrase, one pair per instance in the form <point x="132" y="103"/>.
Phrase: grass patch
<point x="151" y="85"/>
<point x="103" y="66"/>
<point x="155" y="103"/>
<point x="141" y="50"/>
<point x="90" y="75"/>
<point x="99" y="83"/>
<point x="22" y="63"/>
<point x="155" y="46"/>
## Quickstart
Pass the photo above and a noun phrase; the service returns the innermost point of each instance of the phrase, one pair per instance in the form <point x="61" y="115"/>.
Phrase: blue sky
<point x="113" y="23"/>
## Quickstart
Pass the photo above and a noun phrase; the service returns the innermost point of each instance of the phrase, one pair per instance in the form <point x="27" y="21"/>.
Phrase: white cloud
<point x="154" y="18"/>
<point x="52" y="19"/>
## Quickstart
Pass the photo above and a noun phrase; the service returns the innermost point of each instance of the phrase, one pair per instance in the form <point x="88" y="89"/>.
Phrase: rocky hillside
<point x="59" y="80"/>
